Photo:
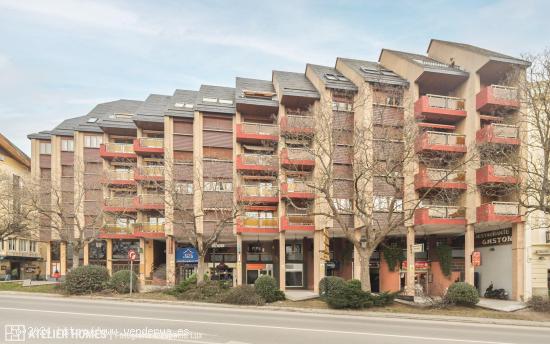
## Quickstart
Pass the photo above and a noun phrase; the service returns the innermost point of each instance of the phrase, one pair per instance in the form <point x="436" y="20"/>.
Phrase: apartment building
<point x="21" y="256"/>
<point x="249" y="146"/>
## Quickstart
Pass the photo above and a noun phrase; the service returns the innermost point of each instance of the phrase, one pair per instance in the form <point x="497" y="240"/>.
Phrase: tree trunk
<point x="201" y="268"/>
<point x="365" y="270"/>
<point x="76" y="257"/>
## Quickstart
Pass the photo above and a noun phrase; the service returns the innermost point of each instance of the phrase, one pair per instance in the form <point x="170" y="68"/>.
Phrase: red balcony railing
<point x="257" y="132"/>
<point x="297" y="125"/>
<point x="297" y="190"/>
<point x="496" y="97"/>
<point x="496" y="174"/>
<point x="498" y="212"/>
<point x="434" y="108"/>
<point x="297" y="157"/>
<point x="124" y="177"/>
<point x="114" y="231"/>
<point x="257" y="225"/>
<point x="150" y="201"/>
<point x="498" y="133"/>
<point x="258" y="194"/>
<point x="298" y="222"/>
<point x="150" y="173"/>
<point x="149" y="145"/>
<point x="117" y="150"/>
<point x="428" y="178"/>
<point x="148" y="230"/>
<point x="440" y="215"/>
<point x="119" y="204"/>
<point x="437" y="141"/>
<point x="257" y="162"/>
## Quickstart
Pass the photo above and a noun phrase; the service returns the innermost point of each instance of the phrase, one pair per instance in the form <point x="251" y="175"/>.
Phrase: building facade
<point x="247" y="146"/>
<point x="21" y="256"/>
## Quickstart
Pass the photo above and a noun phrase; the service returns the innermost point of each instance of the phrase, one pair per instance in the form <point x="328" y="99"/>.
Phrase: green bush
<point x="355" y="283"/>
<point x="539" y="304"/>
<point x="266" y="287"/>
<point x="184" y="285"/>
<point x="329" y="285"/>
<point x="86" y="279"/>
<point x="463" y="294"/>
<point x="243" y="295"/>
<point x="350" y="295"/>
<point x="209" y="291"/>
<point x="120" y="281"/>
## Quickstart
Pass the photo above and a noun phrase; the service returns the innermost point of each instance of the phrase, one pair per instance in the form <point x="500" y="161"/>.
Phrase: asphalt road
<point x="39" y="319"/>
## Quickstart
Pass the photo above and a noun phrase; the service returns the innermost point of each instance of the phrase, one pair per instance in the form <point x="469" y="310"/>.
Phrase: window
<point x="339" y="106"/>
<point x="210" y="100"/>
<point x="393" y="100"/>
<point x="67" y="145"/>
<point x="92" y="120"/>
<point x="1" y="245"/>
<point x="2" y="158"/>
<point x="45" y="148"/>
<point x="32" y="246"/>
<point x="382" y="203"/>
<point x="184" y="188"/>
<point x="185" y="105"/>
<point x="156" y="220"/>
<point x="122" y="115"/>
<point x="124" y="222"/>
<point x="92" y="141"/>
<point x="335" y="77"/>
<point x="23" y="245"/>
<point x="12" y="244"/>
<point x="225" y="101"/>
<point x="342" y="204"/>
<point x="218" y="186"/>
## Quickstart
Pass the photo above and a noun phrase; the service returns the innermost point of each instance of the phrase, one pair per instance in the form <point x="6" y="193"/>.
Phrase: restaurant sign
<point x="493" y="238"/>
<point x="418" y="265"/>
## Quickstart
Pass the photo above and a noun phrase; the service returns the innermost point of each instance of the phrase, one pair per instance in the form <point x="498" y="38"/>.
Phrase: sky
<point x="59" y="58"/>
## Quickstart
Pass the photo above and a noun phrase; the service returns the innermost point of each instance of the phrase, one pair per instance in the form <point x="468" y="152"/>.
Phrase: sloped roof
<point x="224" y="99"/>
<point x="256" y="85"/>
<point x="152" y="109"/>
<point x="106" y="113"/>
<point x="14" y="151"/>
<point x="374" y="72"/>
<point x="295" y="85"/>
<point x="493" y="55"/>
<point x="328" y="74"/>
<point x="182" y="104"/>
<point x="427" y="63"/>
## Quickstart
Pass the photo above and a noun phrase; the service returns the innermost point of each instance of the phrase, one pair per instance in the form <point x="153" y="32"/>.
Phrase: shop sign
<point x="255" y="266"/>
<point x="417" y="248"/>
<point x="476" y="258"/>
<point x="374" y="265"/>
<point x="493" y="238"/>
<point x="217" y="245"/>
<point x="187" y="255"/>
<point x="418" y="265"/>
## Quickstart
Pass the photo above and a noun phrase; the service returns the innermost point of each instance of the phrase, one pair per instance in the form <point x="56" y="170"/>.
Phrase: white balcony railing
<point x="444" y="102"/>
<point x="259" y="191"/>
<point x="445" y="211"/>
<point x="151" y="142"/>
<point x="506" y="208"/>
<point x="126" y="148"/>
<point x="260" y="128"/>
<point x="299" y="187"/>
<point x="152" y="171"/>
<point x="443" y="175"/>
<point x="504" y="92"/>
<point x="505" y="130"/>
<point x="299" y="154"/>
<point x="120" y="175"/>
<point x="259" y="159"/>
<point x="448" y="139"/>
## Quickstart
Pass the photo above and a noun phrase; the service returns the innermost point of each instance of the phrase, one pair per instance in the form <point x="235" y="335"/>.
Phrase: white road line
<point x="438" y="339"/>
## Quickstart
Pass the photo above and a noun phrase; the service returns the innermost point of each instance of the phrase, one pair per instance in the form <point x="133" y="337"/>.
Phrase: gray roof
<point x="374" y="72"/>
<point x="295" y="85"/>
<point x="493" y="55"/>
<point x="222" y="96"/>
<point x="182" y="104"/>
<point x="68" y="126"/>
<point x="152" y="109"/>
<point x="106" y="113"/>
<point x="429" y="64"/>
<point x="243" y="84"/>
<point x="327" y="76"/>
<point x="42" y="135"/>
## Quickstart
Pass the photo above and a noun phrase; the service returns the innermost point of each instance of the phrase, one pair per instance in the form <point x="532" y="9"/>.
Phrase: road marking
<point x="438" y="339"/>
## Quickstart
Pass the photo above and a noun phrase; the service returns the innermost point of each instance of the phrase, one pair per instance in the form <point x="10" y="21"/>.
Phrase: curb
<point x="366" y="314"/>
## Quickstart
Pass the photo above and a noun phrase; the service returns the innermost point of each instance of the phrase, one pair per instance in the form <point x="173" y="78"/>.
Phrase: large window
<point x="218" y="186"/>
<point x="92" y="141"/>
<point x="382" y="203"/>
<point x="12" y="244"/>
<point x="23" y="245"/>
<point x="67" y="145"/>
<point x="45" y="148"/>
<point x="184" y="188"/>
<point x="32" y="246"/>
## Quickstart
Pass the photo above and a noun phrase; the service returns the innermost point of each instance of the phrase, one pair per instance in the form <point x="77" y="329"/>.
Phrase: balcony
<point x="297" y="157"/>
<point x="298" y="222"/>
<point x="113" y="150"/>
<point x="150" y="173"/>
<point x="498" y="133"/>
<point x="257" y="225"/>
<point x="148" y="230"/>
<point x="253" y="132"/>
<point x="150" y="201"/>
<point x="149" y="145"/>
<point x="439" y="108"/>
<point x="297" y="125"/>
<point x="297" y="190"/>
<point x="497" y="212"/>
<point x="18" y="253"/>
<point x="495" y="97"/>
<point x="119" y="204"/>
<point x="122" y="177"/>
<point x="496" y="174"/>
<point x="440" y="215"/>
<point x="258" y="194"/>
<point x="114" y="231"/>
<point x="433" y="178"/>
<point x="436" y="141"/>
<point x="257" y="162"/>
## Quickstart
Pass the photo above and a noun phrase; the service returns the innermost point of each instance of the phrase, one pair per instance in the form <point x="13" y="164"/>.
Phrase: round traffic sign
<point x="132" y="255"/>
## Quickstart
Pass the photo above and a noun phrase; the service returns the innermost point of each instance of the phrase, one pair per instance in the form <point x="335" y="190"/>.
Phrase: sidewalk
<point x="366" y="314"/>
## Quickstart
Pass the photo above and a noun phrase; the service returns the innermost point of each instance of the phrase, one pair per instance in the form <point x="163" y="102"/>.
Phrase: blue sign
<point x="187" y="255"/>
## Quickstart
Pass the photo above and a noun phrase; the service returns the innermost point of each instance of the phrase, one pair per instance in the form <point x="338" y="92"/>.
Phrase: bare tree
<point x="16" y="213"/>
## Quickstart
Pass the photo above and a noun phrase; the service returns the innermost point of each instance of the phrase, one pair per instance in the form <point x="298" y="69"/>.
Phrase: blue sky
<point x="60" y="58"/>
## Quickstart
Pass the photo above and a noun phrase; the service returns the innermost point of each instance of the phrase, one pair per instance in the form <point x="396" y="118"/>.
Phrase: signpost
<point x="132" y="255"/>
<point x="476" y="258"/>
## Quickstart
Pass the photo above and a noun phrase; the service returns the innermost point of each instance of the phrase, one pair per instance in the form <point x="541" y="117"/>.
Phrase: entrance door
<point x="253" y="271"/>
<point x="294" y="275"/>
<point x="15" y="270"/>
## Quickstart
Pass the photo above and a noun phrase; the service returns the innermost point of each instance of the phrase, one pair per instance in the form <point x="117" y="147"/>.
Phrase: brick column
<point x="468" y="250"/>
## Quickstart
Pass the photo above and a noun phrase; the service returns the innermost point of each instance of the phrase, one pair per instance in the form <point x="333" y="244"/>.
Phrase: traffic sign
<point x="132" y="255"/>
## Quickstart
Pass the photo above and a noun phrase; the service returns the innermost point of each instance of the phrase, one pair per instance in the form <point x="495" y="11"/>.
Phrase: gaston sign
<point x="493" y="238"/>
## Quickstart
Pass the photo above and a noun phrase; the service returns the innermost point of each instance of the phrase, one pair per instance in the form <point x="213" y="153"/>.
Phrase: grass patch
<point x="15" y="286"/>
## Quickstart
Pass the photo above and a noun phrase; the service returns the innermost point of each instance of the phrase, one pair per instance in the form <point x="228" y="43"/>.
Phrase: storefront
<point x="120" y="255"/>
<point x="97" y="253"/>
<point x="258" y="258"/>
<point x="222" y="262"/>
<point x="186" y="262"/>
<point x="495" y="250"/>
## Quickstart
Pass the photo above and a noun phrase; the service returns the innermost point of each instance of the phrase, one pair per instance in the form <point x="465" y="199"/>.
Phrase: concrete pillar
<point x="49" y="259"/>
<point x="109" y="249"/>
<point x="282" y="261"/>
<point x="318" y="264"/>
<point x="357" y="259"/>
<point x="239" y="267"/>
<point x="86" y="253"/>
<point x="170" y="261"/>
<point x="63" y="258"/>
<point x="142" y="248"/>
<point x="409" y="280"/>
<point x="518" y="260"/>
<point x="468" y="251"/>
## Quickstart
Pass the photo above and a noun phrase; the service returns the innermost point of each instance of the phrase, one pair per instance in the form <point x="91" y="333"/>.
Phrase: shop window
<point x="293" y="251"/>
<point x="121" y="247"/>
<point x="55" y="249"/>
<point x="97" y="250"/>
